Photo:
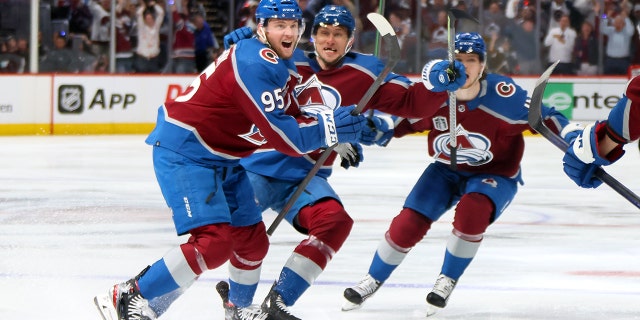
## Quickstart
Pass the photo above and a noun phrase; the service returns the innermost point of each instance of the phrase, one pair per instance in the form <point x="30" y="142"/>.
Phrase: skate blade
<point x="348" y="305"/>
<point x="105" y="307"/>
<point x="432" y="310"/>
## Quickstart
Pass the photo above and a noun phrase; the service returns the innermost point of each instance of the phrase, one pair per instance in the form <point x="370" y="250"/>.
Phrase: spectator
<point x="100" y="35"/>
<point x="561" y="41"/>
<point x="10" y="60"/>
<point x="524" y="44"/>
<point x="618" y="47"/>
<point x="80" y="18"/>
<point x="61" y="58"/>
<point x="556" y="10"/>
<point x="307" y="18"/>
<point x="248" y="13"/>
<point x="438" y="38"/>
<point x="23" y="51"/>
<point x="367" y="37"/>
<point x="400" y="20"/>
<point x="149" y="18"/>
<point x="512" y="9"/>
<point x="635" y="49"/>
<point x="586" y="51"/>
<point x="466" y="25"/>
<point x="500" y="58"/>
<point x="494" y="19"/>
<point x="183" y="60"/>
<point x="124" y="46"/>
<point x="204" y="42"/>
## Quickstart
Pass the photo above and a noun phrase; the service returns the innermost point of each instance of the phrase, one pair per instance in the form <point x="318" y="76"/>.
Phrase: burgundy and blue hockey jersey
<point x="235" y="106"/>
<point x="342" y="86"/>
<point x="489" y="130"/>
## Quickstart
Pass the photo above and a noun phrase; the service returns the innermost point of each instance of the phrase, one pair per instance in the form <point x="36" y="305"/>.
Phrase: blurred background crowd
<point x="589" y="37"/>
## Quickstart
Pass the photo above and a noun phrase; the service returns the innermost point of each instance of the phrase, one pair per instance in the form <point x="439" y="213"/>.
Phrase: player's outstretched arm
<point x="589" y="149"/>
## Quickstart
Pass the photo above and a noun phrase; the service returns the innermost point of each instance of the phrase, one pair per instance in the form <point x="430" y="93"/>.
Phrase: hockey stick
<point x="536" y="122"/>
<point x="452" y="16"/>
<point x="391" y="41"/>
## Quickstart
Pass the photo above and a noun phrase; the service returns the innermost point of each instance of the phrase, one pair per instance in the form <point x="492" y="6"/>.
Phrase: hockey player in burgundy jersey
<point x="332" y="76"/>
<point x="600" y="144"/>
<point x="238" y="104"/>
<point x="491" y="116"/>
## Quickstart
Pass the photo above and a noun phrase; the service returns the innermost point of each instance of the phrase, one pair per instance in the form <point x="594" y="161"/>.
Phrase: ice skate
<point x="276" y="308"/>
<point x="232" y="312"/>
<point x="124" y="302"/>
<point x="356" y="295"/>
<point x="440" y="294"/>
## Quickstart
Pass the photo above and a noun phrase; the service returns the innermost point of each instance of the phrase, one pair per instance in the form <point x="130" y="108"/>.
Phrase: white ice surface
<point x="79" y="213"/>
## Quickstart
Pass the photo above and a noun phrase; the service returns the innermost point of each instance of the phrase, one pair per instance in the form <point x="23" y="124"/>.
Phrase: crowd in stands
<point x="588" y="37"/>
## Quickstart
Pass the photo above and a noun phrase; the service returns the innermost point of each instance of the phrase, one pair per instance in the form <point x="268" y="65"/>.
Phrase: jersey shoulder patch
<point x="255" y="60"/>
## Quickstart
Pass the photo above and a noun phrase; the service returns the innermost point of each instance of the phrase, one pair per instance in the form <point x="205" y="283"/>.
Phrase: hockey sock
<point x="473" y="216"/>
<point x="406" y="229"/>
<point x="250" y="245"/>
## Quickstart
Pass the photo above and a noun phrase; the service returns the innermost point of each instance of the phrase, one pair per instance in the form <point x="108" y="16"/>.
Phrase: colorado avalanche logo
<point x="313" y="93"/>
<point x="269" y="55"/>
<point x="505" y="89"/>
<point x="254" y="136"/>
<point x="473" y="148"/>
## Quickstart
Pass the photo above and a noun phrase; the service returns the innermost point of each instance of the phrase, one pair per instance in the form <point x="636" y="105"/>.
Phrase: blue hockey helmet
<point x="335" y="16"/>
<point x="471" y="42"/>
<point x="278" y="9"/>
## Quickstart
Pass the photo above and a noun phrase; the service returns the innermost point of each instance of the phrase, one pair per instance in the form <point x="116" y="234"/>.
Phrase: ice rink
<point x="80" y="213"/>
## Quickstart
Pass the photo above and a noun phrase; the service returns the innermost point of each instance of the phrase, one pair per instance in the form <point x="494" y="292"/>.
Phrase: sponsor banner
<point x="25" y="99"/>
<point x="113" y="99"/>
<point x="580" y="99"/>
<point x="92" y="104"/>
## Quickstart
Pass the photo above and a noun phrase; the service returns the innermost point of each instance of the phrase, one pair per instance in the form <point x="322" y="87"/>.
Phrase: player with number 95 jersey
<point x="236" y="105"/>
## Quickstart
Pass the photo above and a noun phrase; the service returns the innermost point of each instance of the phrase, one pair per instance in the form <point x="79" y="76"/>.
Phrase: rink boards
<point x="116" y="104"/>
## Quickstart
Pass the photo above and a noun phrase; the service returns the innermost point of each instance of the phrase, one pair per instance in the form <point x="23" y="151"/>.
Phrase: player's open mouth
<point x="329" y="49"/>
<point x="287" y="44"/>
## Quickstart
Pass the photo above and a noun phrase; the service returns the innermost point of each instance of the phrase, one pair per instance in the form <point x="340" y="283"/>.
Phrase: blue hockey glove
<point x="438" y="76"/>
<point x="350" y="153"/>
<point x="581" y="159"/>
<point x="339" y="125"/>
<point x="379" y="130"/>
<point x="348" y="126"/>
<point x="236" y="35"/>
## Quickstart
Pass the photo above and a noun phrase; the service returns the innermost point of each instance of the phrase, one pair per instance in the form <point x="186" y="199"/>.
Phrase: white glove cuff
<point x="582" y="146"/>
<point x="570" y="128"/>
<point x="426" y="71"/>
<point x="325" y="117"/>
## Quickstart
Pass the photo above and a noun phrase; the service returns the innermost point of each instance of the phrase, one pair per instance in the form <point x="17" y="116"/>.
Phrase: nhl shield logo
<point x="70" y="99"/>
<point x="440" y="123"/>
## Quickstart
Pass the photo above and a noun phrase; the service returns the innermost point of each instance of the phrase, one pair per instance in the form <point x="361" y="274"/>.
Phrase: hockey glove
<point x="351" y="154"/>
<point x="438" y="76"/>
<point x="379" y="130"/>
<point x="348" y="126"/>
<point x="581" y="159"/>
<point x="236" y="35"/>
